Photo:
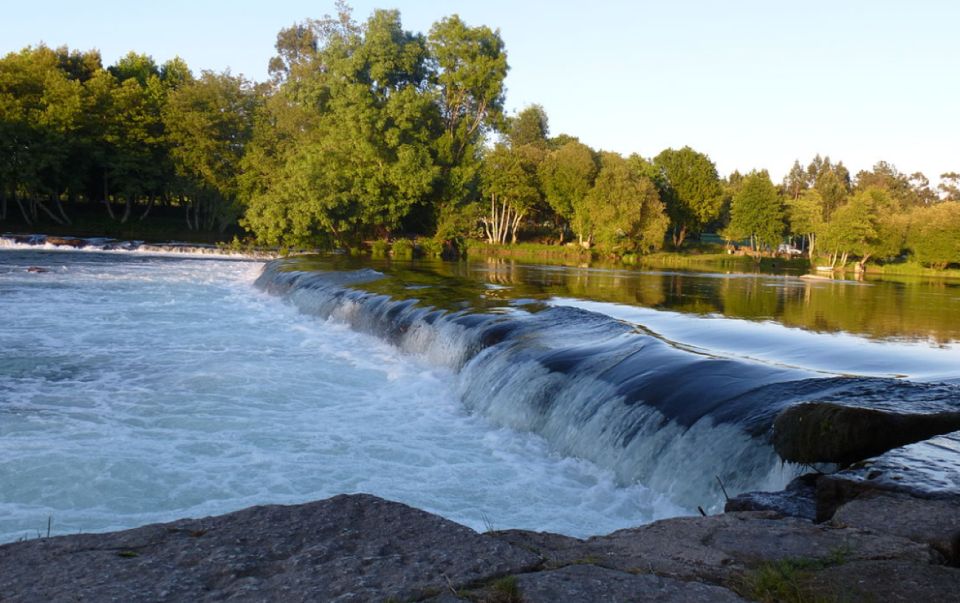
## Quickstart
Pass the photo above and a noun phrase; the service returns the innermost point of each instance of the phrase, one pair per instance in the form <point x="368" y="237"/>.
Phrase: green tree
<point x="469" y="65"/>
<point x="626" y="214"/>
<point x="692" y="190"/>
<point x="566" y="176"/>
<point x="530" y="126"/>
<point x="805" y="217"/>
<point x="208" y="124"/>
<point x="756" y="212"/>
<point x="950" y="186"/>
<point x="869" y="225"/>
<point x="509" y="182"/>
<point x="934" y="235"/>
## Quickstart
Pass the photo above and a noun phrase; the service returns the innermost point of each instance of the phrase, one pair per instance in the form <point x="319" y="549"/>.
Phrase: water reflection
<point x="901" y="309"/>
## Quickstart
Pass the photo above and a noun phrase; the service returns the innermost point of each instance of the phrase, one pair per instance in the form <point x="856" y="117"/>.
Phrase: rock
<point x="830" y="432"/>
<point x="929" y="469"/>
<point x="347" y="548"/>
<point x="67" y="242"/>
<point x="720" y="548"/>
<point x="799" y="499"/>
<point x="885" y="581"/>
<point x="556" y="550"/>
<point x="598" y="584"/>
<point x="37" y="269"/>
<point x="933" y="522"/>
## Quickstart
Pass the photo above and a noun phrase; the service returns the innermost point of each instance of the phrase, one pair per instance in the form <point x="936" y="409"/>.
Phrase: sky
<point x="753" y="84"/>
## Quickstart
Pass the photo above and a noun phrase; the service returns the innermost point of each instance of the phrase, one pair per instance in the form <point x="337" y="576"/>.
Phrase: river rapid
<point x="138" y="388"/>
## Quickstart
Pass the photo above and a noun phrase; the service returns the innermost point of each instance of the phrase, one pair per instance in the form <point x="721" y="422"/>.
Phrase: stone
<point x="798" y="499"/>
<point x="933" y="522"/>
<point x="830" y="432"/>
<point x="720" y="548"/>
<point x="887" y="581"/>
<point x="347" y="548"/>
<point x="575" y="583"/>
<point x="928" y="469"/>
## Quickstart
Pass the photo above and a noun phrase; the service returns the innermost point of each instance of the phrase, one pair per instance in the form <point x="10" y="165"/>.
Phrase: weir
<point x="672" y="418"/>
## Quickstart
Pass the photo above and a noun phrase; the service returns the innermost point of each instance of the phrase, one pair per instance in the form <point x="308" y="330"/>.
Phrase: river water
<point x="140" y="388"/>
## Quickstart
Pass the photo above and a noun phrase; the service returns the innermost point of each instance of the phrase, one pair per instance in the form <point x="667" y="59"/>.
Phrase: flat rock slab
<point x="720" y="548"/>
<point x="887" y="581"/>
<point x="928" y="469"/>
<point x="576" y="583"/>
<point x="347" y="548"/>
<point x="934" y="522"/>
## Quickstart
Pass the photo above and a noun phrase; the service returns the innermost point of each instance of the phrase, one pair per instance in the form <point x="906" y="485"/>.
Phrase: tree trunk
<point x="679" y="236"/>
<point x="126" y="209"/>
<point x="23" y="210"/>
<point x="150" y="201"/>
<point x="3" y="203"/>
<point x="106" y="196"/>
<point x="38" y="205"/>
<point x="59" y="206"/>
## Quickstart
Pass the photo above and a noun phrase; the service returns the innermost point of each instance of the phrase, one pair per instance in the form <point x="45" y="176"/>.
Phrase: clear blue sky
<point x="754" y="84"/>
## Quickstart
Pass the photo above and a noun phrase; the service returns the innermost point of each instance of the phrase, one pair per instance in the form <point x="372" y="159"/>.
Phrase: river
<point x="138" y="388"/>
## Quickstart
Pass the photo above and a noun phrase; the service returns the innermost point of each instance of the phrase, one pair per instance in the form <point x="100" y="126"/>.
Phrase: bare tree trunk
<point x="106" y="196"/>
<point x="126" y="209"/>
<point x="38" y="205"/>
<point x="23" y="210"/>
<point x="59" y="206"/>
<point x="150" y="201"/>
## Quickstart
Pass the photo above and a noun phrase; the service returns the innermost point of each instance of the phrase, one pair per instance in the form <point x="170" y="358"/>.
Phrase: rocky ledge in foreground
<point x="362" y="548"/>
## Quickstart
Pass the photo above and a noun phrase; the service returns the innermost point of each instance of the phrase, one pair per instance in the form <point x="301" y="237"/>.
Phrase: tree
<point x="692" y="190"/>
<point x="868" y="225"/>
<point x="796" y="181"/>
<point x="934" y="235"/>
<point x="626" y="214"/>
<point x="950" y="186"/>
<point x="509" y="181"/>
<point x="469" y="65"/>
<point x="208" y="124"/>
<point x="530" y="126"/>
<point x="360" y="132"/>
<point x="566" y="176"/>
<point x="805" y="217"/>
<point x="756" y="212"/>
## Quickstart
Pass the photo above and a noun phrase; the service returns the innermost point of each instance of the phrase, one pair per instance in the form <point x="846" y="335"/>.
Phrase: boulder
<point x="600" y="585"/>
<point x="798" y="499"/>
<point x="347" y="548"/>
<point x="933" y="522"/>
<point x="881" y="580"/>
<point x="928" y="469"/>
<point x="831" y="432"/>
<point x="720" y="548"/>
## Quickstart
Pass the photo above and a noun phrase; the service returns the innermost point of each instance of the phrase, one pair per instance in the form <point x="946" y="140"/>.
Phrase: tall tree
<point x="208" y="124"/>
<point x="756" y="212"/>
<point x="934" y="235"/>
<point x="692" y="192"/>
<point x="509" y="185"/>
<point x="530" y="126"/>
<point x="805" y="217"/>
<point x="566" y="176"/>
<point x="626" y="214"/>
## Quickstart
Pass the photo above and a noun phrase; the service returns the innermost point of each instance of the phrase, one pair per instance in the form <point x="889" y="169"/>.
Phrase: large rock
<point x="933" y="522"/>
<point x="798" y="499"/>
<point x="887" y="581"/>
<point x="347" y="548"/>
<point x="928" y="469"/>
<point x="601" y="585"/>
<point x="721" y="548"/>
<point x="829" y="432"/>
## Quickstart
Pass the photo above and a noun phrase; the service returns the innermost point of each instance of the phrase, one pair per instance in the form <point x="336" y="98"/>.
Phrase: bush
<point x="431" y="248"/>
<point x="402" y="249"/>
<point x="379" y="249"/>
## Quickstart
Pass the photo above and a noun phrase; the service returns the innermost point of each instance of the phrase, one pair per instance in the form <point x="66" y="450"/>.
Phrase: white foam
<point x="137" y="389"/>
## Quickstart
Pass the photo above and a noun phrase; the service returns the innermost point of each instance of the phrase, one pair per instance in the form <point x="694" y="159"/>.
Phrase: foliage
<point x="756" y="213"/>
<point x="625" y="210"/>
<point x="566" y="176"/>
<point x="934" y="234"/>
<point x="402" y="249"/>
<point x="690" y="189"/>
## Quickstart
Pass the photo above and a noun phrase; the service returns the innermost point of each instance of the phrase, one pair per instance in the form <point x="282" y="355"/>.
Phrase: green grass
<point x="791" y="580"/>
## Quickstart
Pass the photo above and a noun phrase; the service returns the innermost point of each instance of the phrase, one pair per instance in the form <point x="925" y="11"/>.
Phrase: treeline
<point x="366" y="131"/>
